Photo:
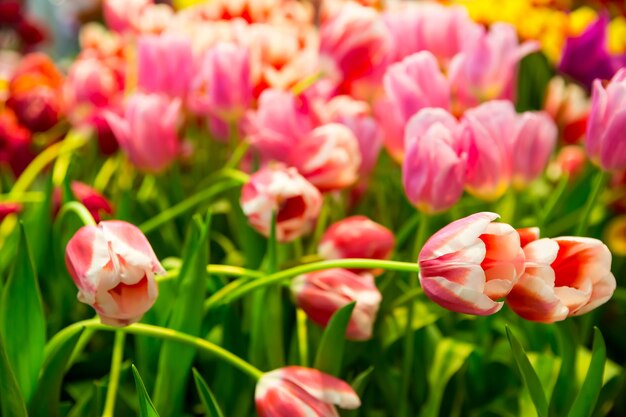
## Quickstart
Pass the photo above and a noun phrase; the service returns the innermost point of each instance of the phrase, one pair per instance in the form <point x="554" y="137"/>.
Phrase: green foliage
<point x="146" y="408"/>
<point x="330" y="351"/>
<point x="208" y="399"/>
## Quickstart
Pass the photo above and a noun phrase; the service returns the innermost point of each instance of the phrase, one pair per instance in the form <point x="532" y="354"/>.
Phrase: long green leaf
<point x="588" y="396"/>
<point x="531" y="380"/>
<point x="330" y="350"/>
<point x="22" y="321"/>
<point x="11" y="401"/>
<point x="565" y="388"/>
<point x="207" y="397"/>
<point x="175" y="360"/>
<point x="146" y="408"/>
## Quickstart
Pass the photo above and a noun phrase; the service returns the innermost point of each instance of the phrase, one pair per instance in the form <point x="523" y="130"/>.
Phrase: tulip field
<point x="312" y="208"/>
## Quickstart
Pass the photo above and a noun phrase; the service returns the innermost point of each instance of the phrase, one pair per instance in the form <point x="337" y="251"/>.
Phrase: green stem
<point x="114" y="376"/>
<point x="227" y="270"/>
<point x="597" y="187"/>
<point x="79" y="210"/>
<point x="165" y="334"/>
<point x="187" y="204"/>
<point x="553" y="200"/>
<point x="303" y="345"/>
<point x="352" y="263"/>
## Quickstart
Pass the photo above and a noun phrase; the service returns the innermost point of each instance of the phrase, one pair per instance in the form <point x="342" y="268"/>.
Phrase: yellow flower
<point x="617" y="35"/>
<point x="615" y="235"/>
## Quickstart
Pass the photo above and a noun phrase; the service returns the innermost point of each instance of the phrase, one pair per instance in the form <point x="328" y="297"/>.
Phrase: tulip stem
<point x="596" y="189"/>
<point x="239" y="291"/>
<point x="227" y="270"/>
<point x="167" y="334"/>
<point x="114" y="375"/>
<point x="79" y="209"/>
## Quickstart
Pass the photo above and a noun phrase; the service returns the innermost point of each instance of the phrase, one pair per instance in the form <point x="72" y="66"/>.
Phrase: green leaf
<point x="146" y="408"/>
<point x="45" y="401"/>
<point x="22" y="321"/>
<point x="11" y="402"/>
<point x="330" y="350"/>
<point x="531" y="380"/>
<point x="175" y="359"/>
<point x="565" y="388"/>
<point x="450" y="355"/>
<point x="588" y="396"/>
<point x="207" y="397"/>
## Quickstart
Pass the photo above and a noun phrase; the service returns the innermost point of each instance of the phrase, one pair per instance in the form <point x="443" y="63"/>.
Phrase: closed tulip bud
<point x="356" y="237"/>
<point x="471" y="263"/>
<point x="320" y="294"/>
<point x="411" y="85"/>
<point x="222" y="85"/>
<point x="433" y="171"/>
<point x="533" y="143"/>
<point x="281" y="190"/>
<point x="113" y="266"/>
<point x="298" y="392"/>
<point x="147" y="132"/>
<point x="171" y="53"/>
<point x="605" y="142"/>
<point x="328" y="157"/>
<point x="484" y="139"/>
<point x="566" y="276"/>
<point x="95" y="202"/>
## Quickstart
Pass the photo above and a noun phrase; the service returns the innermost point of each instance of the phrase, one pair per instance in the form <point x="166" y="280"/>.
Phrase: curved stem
<point x="77" y="208"/>
<point x="165" y="334"/>
<point x="114" y="376"/>
<point x="598" y="185"/>
<point x="280" y="276"/>
<point x="228" y="270"/>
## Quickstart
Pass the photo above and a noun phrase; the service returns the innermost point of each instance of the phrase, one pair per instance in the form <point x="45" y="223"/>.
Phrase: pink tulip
<point x="320" y="294"/>
<point x="354" y="41"/>
<point x="328" y="157"/>
<point x="356" y="237"/>
<point x="120" y="15"/>
<point x="433" y="171"/>
<point x="147" y="131"/>
<point x="171" y="54"/>
<point x="113" y="266"/>
<point x="411" y="85"/>
<point x="527" y="235"/>
<point x="281" y="190"/>
<point x="486" y="139"/>
<point x="280" y="121"/>
<point x="295" y="391"/>
<point x="222" y="85"/>
<point x="566" y="276"/>
<point x="605" y="142"/>
<point x="471" y="263"/>
<point x="91" y="82"/>
<point x="532" y="145"/>
<point x="486" y="68"/>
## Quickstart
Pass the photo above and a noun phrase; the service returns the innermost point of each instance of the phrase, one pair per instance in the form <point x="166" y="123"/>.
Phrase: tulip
<point x="147" y="131"/>
<point x="328" y="157"/>
<point x="411" y="85"/>
<point x="433" y="171"/>
<point x="353" y="41"/>
<point x="172" y="55"/>
<point x="121" y="15"/>
<point x="568" y="105"/>
<point x="487" y="130"/>
<point x="15" y="142"/>
<point x="281" y="190"/>
<point x="320" y="294"/>
<point x="532" y="145"/>
<point x="566" y="276"/>
<point x="356" y="237"/>
<point x="302" y="392"/>
<point x="90" y="198"/>
<point x="527" y="235"/>
<point x="605" y="142"/>
<point x="471" y="263"/>
<point x="113" y="266"/>
<point x="486" y="68"/>
<point x="222" y="84"/>
<point x="91" y="82"/>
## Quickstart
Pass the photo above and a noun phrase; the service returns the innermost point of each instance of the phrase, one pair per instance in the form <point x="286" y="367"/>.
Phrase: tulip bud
<point x="281" y="190"/>
<point x="605" y="142"/>
<point x="356" y="237"/>
<point x="147" y="131"/>
<point x="90" y="198"/>
<point x="297" y="391"/>
<point x="113" y="266"/>
<point x="433" y="171"/>
<point x="471" y="263"/>
<point x="91" y="82"/>
<point x="320" y="294"/>
<point x="532" y="145"/>
<point x="566" y="276"/>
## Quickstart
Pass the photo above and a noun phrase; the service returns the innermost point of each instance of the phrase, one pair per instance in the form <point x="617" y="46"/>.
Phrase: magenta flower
<point x="113" y="266"/>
